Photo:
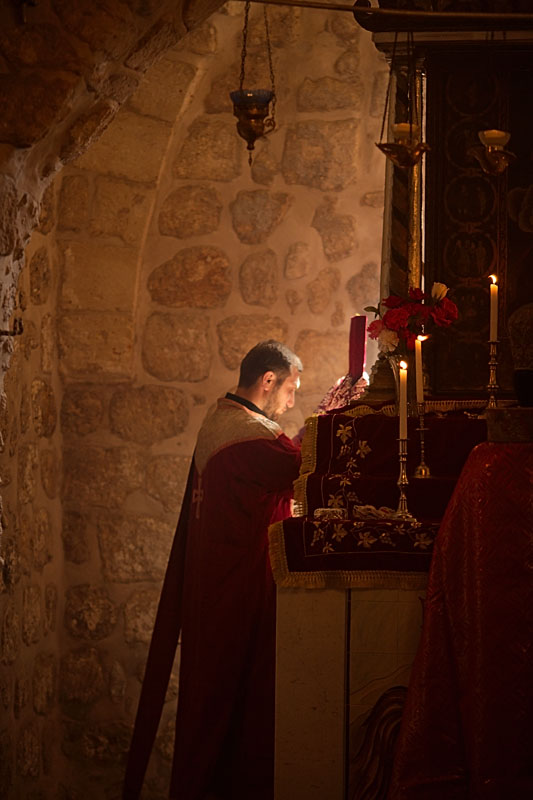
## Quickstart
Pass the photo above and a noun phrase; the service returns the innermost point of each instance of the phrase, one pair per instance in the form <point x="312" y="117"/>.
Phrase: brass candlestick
<point x="492" y="385"/>
<point x="402" y="479"/>
<point x="422" y="471"/>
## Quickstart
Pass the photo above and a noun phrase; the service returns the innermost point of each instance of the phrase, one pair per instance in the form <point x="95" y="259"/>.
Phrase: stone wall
<point x="161" y="257"/>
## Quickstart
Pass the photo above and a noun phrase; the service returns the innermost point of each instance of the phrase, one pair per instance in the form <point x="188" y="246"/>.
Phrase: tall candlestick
<point x="403" y="400"/>
<point x="493" y="335"/>
<point x="419" y="370"/>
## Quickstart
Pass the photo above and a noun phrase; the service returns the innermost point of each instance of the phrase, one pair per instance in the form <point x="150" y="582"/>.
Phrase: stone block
<point x="74" y="536"/>
<point x="97" y="743"/>
<point x="134" y="548"/>
<point x="40" y="276"/>
<point x="139" y="615"/>
<point x="98" y="277"/>
<point x="321" y="154"/>
<point x="258" y="279"/>
<point x="90" y="613"/>
<point x="82" y="411"/>
<point x="29" y="750"/>
<point x="329" y="94"/>
<point x="41" y="46"/>
<point x="48" y="343"/>
<point x="338" y="317"/>
<point x="8" y="214"/>
<point x="10" y="640"/>
<point x="265" y="166"/>
<point x="256" y="214"/>
<point x="196" y="277"/>
<point x="363" y="288"/>
<point x="31" y="614"/>
<point x="21" y="693"/>
<point x="41" y="540"/>
<point x="148" y="414"/>
<point x="47" y="94"/>
<point x="158" y="39"/>
<point x="96" y="345"/>
<point x="166" y="477"/>
<point x="293" y="299"/>
<point x="153" y="98"/>
<point x="175" y="347"/>
<point x="337" y="231"/>
<point x="284" y="27"/>
<point x="324" y="355"/>
<point x="44" y="683"/>
<point x="133" y="147"/>
<point x="47" y="212"/>
<point x="50" y="463"/>
<point x="345" y="28"/>
<point x="202" y="40"/>
<point x="87" y="129"/>
<point x="25" y="409"/>
<point x="106" y="27"/>
<point x="73" y="204"/>
<point x="299" y="260"/>
<point x="43" y="407"/>
<point x="99" y="476"/>
<point x="164" y="743"/>
<point x="379" y="93"/>
<point x="28" y="462"/>
<point x="374" y="199"/>
<point x="119" y="209"/>
<point x="7" y="751"/>
<point x="239" y="333"/>
<point x="190" y="211"/>
<point x="348" y="66"/>
<point x="117" y="682"/>
<point x="82" y="678"/>
<point x="211" y="151"/>
<point x="321" y="289"/>
<point x="50" y="608"/>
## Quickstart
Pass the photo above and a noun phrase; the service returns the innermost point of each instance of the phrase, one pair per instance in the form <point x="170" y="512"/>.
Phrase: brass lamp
<point x="251" y="106"/>
<point x="493" y="158"/>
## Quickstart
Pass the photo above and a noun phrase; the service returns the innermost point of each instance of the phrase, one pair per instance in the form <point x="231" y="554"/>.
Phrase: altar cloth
<point x="467" y="728"/>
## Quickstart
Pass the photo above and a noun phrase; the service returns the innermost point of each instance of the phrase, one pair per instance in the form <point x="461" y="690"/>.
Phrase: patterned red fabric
<point x="467" y="728"/>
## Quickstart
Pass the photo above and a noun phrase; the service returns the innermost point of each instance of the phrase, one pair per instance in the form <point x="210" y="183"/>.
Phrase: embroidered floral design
<point x="344" y="433"/>
<point x="366" y="539"/>
<point x="423" y="541"/>
<point x="328" y="548"/>
<point x="363" y="449"/>
<point x="336" y="500"/>
<point x="339" y="533"/>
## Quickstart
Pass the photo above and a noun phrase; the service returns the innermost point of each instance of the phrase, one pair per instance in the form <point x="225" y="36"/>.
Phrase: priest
<point x="219" y="592"/>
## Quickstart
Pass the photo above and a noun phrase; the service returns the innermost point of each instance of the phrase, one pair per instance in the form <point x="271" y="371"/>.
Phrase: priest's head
<point x="269" y="377"/>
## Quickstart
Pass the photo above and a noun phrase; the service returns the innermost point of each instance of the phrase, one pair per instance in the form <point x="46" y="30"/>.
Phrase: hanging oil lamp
<point x="407" y="148"/>
<point x="251" y="106"/>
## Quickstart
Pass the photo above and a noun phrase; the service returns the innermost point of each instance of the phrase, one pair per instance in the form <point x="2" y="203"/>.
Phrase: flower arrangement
<point x="406" y="318"/>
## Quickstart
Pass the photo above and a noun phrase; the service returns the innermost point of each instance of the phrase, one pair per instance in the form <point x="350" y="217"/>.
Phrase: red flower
<point x="416" y="294"/>
<point x="375" y="328"/>
<point x="444" y="313"/>
<point x="410" y="338"/>
<point x="396" y="318"/>
<point x="392" y="301"/>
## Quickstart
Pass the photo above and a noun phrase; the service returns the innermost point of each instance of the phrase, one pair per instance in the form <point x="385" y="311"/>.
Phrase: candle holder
<point x="422" y="471"/>
<point x="402" y="480"/>
<point x="492" y="386"/>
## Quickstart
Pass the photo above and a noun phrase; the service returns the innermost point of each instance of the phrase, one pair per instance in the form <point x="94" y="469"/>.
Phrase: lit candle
<point x="403" y="400"/>
<point x="493" y="336"/>
<point x="418" y="368"/>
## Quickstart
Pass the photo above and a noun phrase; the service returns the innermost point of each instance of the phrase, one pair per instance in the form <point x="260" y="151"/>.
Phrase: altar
<point x="351" y="591"/>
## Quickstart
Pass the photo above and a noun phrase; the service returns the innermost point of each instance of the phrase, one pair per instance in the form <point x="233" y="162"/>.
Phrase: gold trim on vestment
<point x="228" y="423"/>
<point x="334" y="579"/>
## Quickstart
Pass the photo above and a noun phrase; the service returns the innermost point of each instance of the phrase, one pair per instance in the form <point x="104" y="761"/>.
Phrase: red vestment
<point x="220" y="588"/>
<point x="467" y="731"/>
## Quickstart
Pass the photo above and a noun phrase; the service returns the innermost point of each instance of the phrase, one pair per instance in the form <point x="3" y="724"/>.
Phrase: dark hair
<point x="268" y="356"/>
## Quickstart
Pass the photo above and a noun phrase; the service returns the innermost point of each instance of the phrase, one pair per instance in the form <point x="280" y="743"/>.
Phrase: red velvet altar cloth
<point x="467" y="728"/>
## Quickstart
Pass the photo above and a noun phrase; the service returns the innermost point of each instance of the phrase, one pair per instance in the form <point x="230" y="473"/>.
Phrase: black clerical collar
<point x="246" y="403"/>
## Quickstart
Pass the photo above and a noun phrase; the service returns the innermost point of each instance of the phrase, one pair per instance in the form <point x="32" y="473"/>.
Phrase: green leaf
<point x="371" y="308"/>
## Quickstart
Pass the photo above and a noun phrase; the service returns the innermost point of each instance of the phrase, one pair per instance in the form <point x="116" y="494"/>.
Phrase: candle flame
<point x="422" y="338"/>
<point x="494" y="278"/>
<point x="403" y="365"/>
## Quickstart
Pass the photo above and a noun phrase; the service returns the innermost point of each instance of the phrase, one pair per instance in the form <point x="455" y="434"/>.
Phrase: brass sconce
<point x="251" y="106"/>
<point x="492" y="157"/>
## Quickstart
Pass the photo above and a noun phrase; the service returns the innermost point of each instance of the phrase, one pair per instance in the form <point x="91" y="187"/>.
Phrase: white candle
<point x="493" y="335"/>
<point x="403" y="400"/>
<point x="418" y="368"/>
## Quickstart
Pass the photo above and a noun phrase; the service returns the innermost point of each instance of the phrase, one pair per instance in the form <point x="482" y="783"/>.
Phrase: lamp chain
<point x="244" y="39"/>
<point x="269" y="51"/>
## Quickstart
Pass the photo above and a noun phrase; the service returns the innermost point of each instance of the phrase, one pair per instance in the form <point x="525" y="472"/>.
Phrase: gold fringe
<point x="335" y="579"/>
<point x="300" y="494"/>
<point x="309" y="444"/>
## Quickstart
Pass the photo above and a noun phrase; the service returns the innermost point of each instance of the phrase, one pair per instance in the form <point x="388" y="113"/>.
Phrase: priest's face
<point x="282" y="395"/>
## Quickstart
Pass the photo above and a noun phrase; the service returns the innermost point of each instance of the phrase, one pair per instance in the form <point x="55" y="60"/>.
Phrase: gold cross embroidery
<point x="197" y="497"/>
